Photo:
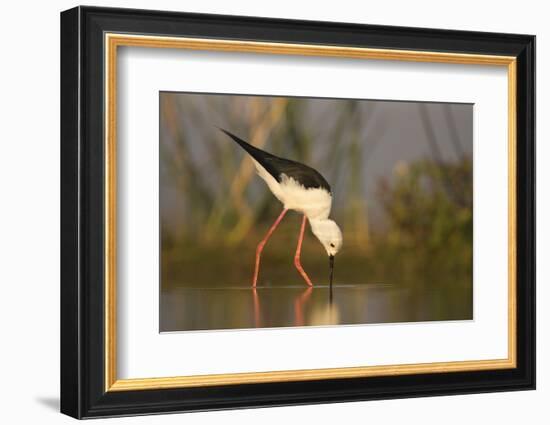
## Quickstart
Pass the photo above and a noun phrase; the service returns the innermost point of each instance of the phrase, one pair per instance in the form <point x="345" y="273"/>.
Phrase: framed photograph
<point x="261" y="212"/>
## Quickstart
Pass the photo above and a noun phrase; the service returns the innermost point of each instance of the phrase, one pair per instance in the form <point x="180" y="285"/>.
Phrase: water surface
<point x="241" y="307"/>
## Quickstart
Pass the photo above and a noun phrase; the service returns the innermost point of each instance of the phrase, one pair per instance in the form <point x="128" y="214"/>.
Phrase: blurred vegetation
<point x="214" y="210"/>
<point x="429" y="223"/>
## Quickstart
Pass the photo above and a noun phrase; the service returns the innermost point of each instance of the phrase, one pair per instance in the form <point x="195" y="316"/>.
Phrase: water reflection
<point x="299" y="305"/>
<point x="184" y="308"/>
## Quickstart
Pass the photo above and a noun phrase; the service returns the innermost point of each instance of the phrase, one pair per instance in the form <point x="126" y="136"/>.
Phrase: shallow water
<point x="241" y="307"/>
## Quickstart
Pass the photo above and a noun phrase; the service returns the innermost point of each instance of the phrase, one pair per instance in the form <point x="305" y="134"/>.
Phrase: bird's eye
<point x="332" y="245"/>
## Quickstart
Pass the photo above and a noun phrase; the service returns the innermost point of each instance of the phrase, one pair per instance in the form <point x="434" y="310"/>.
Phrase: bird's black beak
<point x="331" y="264"/>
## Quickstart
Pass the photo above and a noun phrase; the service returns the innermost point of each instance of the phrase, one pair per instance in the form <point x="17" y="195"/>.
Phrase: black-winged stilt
<point x="299" y="188"/>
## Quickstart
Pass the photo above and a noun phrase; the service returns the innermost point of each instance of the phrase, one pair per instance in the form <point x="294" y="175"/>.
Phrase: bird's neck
<point x="319" y="226"/>
<point x="316" y="222"/>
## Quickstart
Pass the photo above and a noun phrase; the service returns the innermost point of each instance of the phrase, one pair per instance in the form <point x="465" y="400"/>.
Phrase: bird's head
<point x="330" y="236"/>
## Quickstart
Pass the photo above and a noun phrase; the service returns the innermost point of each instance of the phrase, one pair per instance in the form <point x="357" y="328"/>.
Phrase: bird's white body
<point x="314" y="203"/>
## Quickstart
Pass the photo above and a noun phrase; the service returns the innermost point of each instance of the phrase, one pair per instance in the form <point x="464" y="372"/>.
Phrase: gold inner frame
<point x="113" y="41"/>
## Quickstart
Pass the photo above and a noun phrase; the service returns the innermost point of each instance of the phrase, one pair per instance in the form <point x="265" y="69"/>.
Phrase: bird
<point x="300" y="188"/>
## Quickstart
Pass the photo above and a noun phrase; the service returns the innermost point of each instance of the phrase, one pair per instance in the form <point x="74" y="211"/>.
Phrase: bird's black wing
<point x="277" y="166"/>
<point x="303" y="174"/>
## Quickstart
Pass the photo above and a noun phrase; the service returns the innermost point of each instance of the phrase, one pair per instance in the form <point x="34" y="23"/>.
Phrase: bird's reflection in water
<point x="326" y="313"/>
<point x="299" y="304"/>
<point x="306" y="312"/>
<point x="257" y="311"/>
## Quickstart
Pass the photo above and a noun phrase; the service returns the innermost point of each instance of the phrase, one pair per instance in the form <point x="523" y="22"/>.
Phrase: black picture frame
<point x="83" y="392"/>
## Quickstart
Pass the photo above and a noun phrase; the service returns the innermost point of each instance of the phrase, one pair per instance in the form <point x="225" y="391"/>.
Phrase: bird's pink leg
<point x="261" y="245"/>
<point x="297" y="262"/>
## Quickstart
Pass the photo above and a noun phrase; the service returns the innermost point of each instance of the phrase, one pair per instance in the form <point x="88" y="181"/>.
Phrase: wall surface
<point x="29" y="224"/>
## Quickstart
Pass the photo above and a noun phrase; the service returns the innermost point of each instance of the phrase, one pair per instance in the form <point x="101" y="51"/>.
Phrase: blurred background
<point x="402" y="182"/>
